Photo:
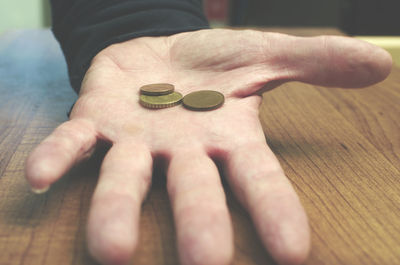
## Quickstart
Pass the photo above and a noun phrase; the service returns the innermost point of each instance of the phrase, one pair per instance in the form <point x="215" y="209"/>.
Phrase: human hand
<point x="241" y="65"/>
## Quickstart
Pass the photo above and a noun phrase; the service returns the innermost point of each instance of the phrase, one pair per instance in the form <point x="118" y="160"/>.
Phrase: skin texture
<point x="241" y="65"/>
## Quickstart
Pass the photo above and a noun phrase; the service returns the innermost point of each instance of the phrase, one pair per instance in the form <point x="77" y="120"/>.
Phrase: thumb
<point x="330" y="61"/>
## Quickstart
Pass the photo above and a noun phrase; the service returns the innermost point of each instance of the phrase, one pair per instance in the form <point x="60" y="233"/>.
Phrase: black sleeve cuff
<point x="84" y="27"/>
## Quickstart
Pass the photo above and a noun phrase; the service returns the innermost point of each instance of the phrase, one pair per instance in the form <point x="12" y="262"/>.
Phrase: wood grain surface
<point x="340" y="149"/>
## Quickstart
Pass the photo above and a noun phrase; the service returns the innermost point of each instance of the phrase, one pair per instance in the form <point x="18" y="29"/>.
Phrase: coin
<point x="160" y="102"/>
<point x="203" y="100"/>
<point x="157" y="89"/>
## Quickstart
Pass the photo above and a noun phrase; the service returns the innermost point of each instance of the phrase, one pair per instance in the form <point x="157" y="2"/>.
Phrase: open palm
<point x="241" y="65"/>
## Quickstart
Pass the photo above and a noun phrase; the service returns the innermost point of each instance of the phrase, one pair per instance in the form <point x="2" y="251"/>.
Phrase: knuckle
<point x="74" y="133"/>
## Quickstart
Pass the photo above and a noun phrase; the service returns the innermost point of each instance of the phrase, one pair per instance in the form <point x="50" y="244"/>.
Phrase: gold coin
<point x="203" y="100"/>
<point x="160" y="102"/>
<point x="157" y="89"/>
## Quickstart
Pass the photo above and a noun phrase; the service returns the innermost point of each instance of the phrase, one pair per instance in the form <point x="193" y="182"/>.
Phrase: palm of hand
<point x="238" y="64"/>
<point x="110" y="96"/>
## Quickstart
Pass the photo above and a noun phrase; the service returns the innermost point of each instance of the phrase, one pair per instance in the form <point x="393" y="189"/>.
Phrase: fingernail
<point x="40" y="191"/>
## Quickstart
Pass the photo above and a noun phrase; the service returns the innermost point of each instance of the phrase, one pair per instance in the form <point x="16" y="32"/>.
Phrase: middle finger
<point x="204" y="231"/>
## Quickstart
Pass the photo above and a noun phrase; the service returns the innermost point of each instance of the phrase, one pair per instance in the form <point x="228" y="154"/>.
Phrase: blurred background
<point x="354" y="17"/>
<point x="19" y="14"/>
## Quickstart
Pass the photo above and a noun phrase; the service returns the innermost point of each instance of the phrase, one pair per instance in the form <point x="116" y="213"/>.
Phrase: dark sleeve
<point x="85" y="27"/>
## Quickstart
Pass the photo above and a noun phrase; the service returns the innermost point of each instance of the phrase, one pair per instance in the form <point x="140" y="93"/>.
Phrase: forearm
<point x="84" y="28"/>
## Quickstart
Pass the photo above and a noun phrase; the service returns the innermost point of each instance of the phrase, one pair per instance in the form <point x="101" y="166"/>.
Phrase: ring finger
<point x="113" y="224"/>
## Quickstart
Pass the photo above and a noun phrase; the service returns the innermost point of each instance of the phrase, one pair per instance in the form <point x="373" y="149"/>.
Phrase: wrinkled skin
<point x="241" y="65"/>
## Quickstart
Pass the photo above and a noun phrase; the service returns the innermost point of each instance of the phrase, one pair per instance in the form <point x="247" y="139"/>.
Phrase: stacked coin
<point x="157" y="96"/>
<point x="157" y="89"/>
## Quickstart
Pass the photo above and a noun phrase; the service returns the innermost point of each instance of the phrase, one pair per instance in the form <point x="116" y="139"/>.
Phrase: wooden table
<point x="340" y="149"/>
